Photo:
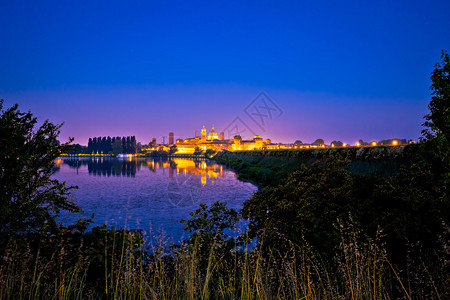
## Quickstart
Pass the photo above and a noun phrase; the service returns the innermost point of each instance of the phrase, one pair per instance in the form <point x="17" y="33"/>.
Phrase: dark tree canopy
<point x="337" y="143"/>
<point x="438" y="119"/>
<point x="173" y="149"/>
<point x="437" y="133"/>
<point x="29" y="197"/>
<point x="310" y="201"/>
<point x="117" y="146"/>
<point x="319" y="142"/>
<point x="108" y="145"/>
<point x="362" y="143"/>
<point x="124" y="145"/>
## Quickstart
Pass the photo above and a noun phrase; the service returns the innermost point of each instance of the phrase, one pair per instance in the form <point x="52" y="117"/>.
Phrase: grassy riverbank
<point x="316" y="229"/>
<point x="269" y="167"/>
<point x="393" y="195"/>
<point x="114" y="265"/>
<point x="321" y="231"/>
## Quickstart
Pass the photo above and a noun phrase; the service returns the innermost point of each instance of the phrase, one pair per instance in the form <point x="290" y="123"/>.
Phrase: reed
<point x="131" y="271"/>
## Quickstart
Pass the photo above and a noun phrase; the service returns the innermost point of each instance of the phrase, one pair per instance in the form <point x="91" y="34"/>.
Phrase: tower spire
<point x="203" y="134"/>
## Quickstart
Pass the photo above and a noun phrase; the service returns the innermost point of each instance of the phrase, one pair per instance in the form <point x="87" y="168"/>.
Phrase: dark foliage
<point x="108" y="145"/>
<point x="172" y="149"/>
<point x="208" y="225"/>
<point x="310" y="201"/>
<point x="29" y="197"/>
<point x="437" y="131"/>
<point x="438" y="119"/>
<point x="319" y="142"/>
<point x="337" y="143"/>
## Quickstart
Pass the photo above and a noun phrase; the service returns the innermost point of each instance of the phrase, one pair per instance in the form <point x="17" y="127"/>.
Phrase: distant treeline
<point x="107" y="145"/>
<point x="113" y="145"/>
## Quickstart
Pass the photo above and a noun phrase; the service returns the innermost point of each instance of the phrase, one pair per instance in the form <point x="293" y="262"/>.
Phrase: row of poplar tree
<point x="114" y="145"/>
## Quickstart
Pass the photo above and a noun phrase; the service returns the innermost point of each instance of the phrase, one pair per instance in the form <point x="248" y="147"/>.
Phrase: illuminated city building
<point x="203" y="134"/>
<point x="211" y="141"/>
<point x="212" y="135"/>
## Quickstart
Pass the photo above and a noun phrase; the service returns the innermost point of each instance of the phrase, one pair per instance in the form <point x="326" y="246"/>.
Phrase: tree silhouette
<point x="124" y="145"/>
<point x="438" y="119"/>
<point x="108" y="144"/>
<point x="103" y="146"/>
<point x="133" y="148"/>
<point x="319" y="142"/>
<point x="30" y="198"/>
<point x="173" y="149"/>
<point x="337" y="143"/>
<point x="117" y="147"/>
<point x="437" y="133"/>
<point x="128" y="145"/>
<point x="90" y="146"/>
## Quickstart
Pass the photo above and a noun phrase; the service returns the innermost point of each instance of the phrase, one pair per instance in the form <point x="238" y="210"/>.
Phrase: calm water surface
<point x="148" y="194"/>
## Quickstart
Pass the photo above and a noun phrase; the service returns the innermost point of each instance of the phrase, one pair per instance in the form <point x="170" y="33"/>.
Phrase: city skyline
<point x="356" y="126"/>
<point x="216" y="141"/>
<point x="337" y="71"/>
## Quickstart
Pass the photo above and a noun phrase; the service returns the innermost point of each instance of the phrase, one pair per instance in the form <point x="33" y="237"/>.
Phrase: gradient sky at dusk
<point x="336" y="69"/>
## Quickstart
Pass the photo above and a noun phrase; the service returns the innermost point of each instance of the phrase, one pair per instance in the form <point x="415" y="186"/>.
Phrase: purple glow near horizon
<point x="338" y="70"/>
<point x="153" y="112"/>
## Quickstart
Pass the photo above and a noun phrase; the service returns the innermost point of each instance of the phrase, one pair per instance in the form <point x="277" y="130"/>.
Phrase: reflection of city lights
<point x="212" y="174"/>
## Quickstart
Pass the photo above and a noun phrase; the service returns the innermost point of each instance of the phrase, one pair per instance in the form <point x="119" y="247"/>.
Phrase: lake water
<point x="152" y="195"/>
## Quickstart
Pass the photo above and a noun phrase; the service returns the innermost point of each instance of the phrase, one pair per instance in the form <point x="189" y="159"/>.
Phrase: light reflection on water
<point x="148" y="194"/>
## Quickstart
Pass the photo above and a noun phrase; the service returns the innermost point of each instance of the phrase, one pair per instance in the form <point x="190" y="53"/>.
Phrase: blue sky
<point x="337" y="69"/>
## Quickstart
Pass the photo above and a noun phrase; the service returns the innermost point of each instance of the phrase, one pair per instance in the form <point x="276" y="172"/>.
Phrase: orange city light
<point x="394" y="142"/>
<point x="374" y="143"/>
<point x="358" y="144"/>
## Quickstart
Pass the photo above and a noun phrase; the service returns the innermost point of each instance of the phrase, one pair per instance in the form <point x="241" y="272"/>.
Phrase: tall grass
<point x="360" y="271"/>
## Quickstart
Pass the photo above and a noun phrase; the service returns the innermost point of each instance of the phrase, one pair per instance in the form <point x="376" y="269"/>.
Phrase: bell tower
<point x="203" y="135"/>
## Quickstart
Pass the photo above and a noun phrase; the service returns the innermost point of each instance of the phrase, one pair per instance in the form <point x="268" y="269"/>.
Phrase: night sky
<point x="332" y="69"/>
